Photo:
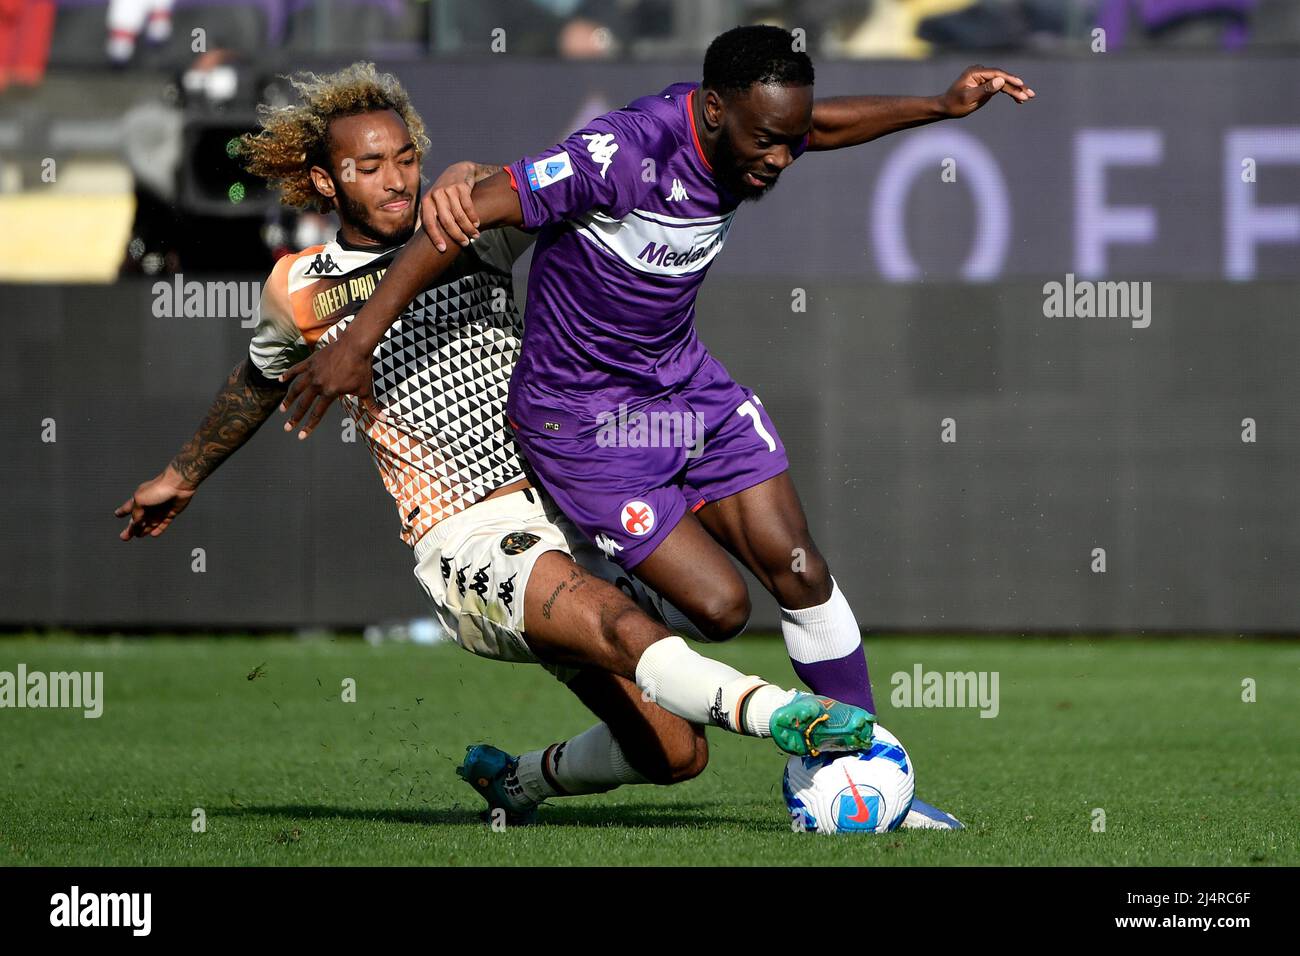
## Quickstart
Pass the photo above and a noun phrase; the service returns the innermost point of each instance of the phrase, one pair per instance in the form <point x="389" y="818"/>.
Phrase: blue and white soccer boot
<point x="922" y="816"/>
<point x="487" y="769"/>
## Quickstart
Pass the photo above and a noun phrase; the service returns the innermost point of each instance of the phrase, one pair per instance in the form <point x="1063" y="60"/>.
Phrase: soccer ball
<point x="861" y="792"/>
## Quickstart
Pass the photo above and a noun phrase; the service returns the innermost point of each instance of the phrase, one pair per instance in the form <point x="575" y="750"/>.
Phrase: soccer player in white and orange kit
<point x="493" y="554"/>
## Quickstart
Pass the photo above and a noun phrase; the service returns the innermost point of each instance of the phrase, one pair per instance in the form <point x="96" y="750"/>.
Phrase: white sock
<point x="705" y="691"/>
<point x="761" y="704"/>
<point x="159" y="27"/>
<point x="826" y="632"/>
<point x="120" y="47"/>
<point x="592" y="762"/>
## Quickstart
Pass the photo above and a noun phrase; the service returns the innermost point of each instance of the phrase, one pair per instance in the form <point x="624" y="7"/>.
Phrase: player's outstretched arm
<point x="243" y="404"/>
<point x="852" y="120"/>
<point x="343" y="366"/>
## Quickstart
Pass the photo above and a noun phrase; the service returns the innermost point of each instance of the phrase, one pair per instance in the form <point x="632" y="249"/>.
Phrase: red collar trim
<point x="695" y="136"/>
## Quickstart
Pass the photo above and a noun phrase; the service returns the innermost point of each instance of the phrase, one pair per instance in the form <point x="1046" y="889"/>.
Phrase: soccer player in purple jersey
<point x="506" y="574"/>
<point x="630" y="212"/>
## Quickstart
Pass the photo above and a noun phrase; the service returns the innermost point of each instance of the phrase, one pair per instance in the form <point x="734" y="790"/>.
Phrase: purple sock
<point x="845" y="679"/>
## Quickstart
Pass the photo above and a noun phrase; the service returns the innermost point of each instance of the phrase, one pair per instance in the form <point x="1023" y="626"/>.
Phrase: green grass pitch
<point x="1152" y="731"/>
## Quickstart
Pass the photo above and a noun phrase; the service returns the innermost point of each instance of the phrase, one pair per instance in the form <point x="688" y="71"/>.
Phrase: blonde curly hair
<point x="295" y="138"/>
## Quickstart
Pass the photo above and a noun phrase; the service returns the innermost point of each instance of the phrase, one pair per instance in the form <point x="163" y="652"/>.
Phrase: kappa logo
<point x="638" y="518"/>
<point x="678" y="192"/>
<point x="716" y="714"/>
<point x="480" y="585"/>
<point x="608" y="545"/>
<point x="506" y="593"/>
<point x="602" y="148"/>
<point x="322" y="265"/>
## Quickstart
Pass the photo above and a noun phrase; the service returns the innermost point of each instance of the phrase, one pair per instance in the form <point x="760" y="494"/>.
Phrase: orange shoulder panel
<point x="275" y="295"/>
<point x="299" y="303"/>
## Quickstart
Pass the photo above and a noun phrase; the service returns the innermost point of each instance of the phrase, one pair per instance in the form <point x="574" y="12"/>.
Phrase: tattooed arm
<point x="243" y="404"/>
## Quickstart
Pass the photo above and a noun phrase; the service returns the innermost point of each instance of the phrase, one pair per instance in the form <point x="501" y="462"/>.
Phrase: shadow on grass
<point x="623" y="815"/>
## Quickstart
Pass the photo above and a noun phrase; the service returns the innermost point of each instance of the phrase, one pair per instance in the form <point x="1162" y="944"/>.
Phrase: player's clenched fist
<point x="447" y="210"/>
<point x="977" y="86"/>
<point x="155" y="504"/>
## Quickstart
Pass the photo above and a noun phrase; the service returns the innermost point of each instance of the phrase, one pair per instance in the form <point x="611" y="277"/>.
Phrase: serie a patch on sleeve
<point x="550" y="169"/>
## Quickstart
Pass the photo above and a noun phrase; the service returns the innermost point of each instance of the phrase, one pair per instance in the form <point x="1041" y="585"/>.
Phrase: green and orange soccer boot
<point x="810" y="725"/>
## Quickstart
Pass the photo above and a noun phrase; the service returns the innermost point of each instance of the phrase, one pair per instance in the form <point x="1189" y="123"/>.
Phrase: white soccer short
<point x="475" y="566"/>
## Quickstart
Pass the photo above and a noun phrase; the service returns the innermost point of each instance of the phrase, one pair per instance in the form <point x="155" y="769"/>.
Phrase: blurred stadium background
<point x="1163" y="150"/>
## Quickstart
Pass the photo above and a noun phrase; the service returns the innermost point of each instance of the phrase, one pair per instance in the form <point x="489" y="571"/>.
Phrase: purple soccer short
<point x="628" y="477"/>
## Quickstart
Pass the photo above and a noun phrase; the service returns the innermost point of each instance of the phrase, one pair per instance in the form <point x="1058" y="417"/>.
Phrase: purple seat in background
<point x="1114" y="17"/>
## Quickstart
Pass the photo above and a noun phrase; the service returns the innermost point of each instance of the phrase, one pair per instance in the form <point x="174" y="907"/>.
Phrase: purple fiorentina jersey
<point x="630" y="220"/>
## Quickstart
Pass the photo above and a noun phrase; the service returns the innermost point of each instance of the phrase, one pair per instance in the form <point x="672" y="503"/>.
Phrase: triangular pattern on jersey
<point x="441" y="378"/>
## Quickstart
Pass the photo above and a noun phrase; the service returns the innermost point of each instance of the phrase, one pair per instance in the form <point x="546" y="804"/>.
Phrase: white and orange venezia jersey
<point x="441" y="372"/>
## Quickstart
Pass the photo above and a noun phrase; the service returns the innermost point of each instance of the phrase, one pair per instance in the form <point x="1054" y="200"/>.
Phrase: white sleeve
<point x="277" y="343"/>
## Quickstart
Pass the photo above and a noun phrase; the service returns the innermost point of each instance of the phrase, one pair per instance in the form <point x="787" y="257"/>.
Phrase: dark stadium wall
<point x="1071" y="434"/>
<point x="928" y="312"/>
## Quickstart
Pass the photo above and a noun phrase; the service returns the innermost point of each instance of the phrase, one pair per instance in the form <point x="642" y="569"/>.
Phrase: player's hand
<point x="337" y="369"/>
<point x="977" y="86"/>
<point x="447" y="210"/>
<point x="155" y="504"/>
